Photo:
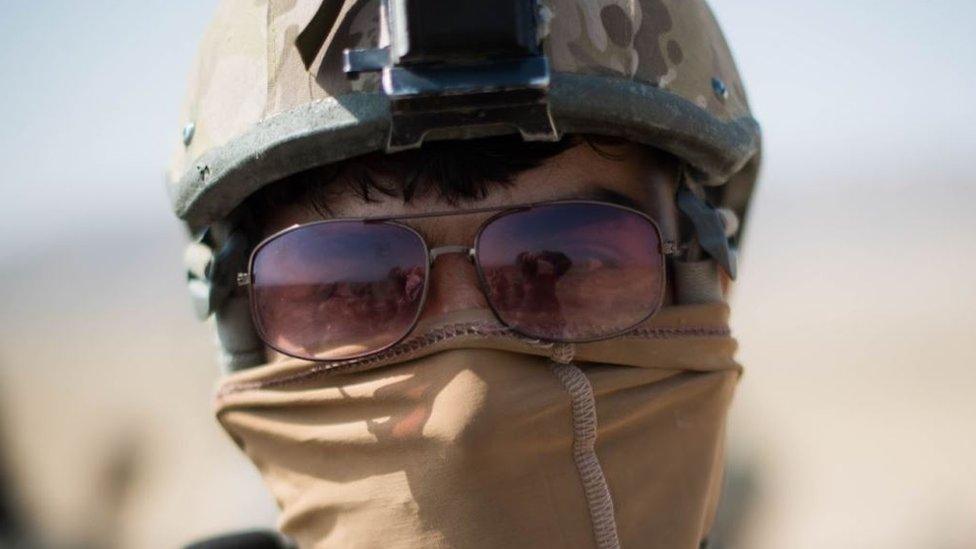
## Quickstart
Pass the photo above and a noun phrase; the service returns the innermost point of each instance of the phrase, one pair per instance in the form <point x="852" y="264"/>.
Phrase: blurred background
<point x="853" y="426"/>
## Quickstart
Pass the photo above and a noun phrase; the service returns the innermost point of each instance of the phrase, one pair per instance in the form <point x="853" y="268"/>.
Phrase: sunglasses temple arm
<point x="670" y="248"/>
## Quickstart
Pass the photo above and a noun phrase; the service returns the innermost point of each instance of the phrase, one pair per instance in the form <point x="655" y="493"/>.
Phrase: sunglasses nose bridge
<point x="456" y="249"/>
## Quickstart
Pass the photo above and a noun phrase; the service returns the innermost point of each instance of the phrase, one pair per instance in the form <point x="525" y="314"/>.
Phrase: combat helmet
<point x="282" y="86"/>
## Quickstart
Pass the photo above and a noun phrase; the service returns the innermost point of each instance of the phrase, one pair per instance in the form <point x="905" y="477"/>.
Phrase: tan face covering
<point x="467" y="436"/>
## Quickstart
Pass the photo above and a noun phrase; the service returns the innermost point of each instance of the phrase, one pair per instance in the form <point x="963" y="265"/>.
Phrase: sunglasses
<point x="567" y="271"/>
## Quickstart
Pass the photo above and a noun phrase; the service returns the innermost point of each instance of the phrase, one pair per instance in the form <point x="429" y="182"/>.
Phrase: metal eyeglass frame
<point x="667" y="248"/>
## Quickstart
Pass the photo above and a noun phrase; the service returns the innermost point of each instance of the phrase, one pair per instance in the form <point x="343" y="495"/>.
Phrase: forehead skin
<point x="647" y="182"/>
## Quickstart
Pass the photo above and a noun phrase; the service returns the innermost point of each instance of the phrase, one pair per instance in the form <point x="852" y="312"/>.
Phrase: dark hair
<point x="455" y="170"/>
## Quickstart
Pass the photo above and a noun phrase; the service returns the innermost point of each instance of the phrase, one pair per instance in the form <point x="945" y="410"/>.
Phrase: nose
<point x="453" y="284"/>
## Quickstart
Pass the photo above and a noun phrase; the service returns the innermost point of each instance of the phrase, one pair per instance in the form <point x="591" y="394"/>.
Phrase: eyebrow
<point x="603" y="194"/>
<point x="594" y="192"/>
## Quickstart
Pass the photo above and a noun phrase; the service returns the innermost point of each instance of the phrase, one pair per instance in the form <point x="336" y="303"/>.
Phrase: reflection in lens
<point x="338" y="289"/>
<point x="572" y="272"/>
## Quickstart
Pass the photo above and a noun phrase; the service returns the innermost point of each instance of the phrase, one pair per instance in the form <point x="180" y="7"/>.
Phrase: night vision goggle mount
<point x="460" y="68"/>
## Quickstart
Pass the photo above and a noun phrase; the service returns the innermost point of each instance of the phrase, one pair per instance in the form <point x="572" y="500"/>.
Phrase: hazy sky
<point x="848" y="77"/>
<point x="91" y="92"/>
<point x="89" y="110"/>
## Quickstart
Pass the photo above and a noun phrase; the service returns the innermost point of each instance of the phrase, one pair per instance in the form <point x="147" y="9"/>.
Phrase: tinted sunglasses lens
<point x="572" y="272"/>
<point x="338" y="289"/>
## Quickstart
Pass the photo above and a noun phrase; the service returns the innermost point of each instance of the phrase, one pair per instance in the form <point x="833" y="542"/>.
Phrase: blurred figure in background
<point x="12" y="531"/>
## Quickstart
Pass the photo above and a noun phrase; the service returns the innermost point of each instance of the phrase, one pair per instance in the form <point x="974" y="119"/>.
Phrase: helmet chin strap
<point x="707" y="253"/>
<point x="710" y="234"/>
<point x="211" y="278"/>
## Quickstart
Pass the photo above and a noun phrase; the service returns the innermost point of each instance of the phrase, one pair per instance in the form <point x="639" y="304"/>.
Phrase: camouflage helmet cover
<point x="654" y="71"/>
